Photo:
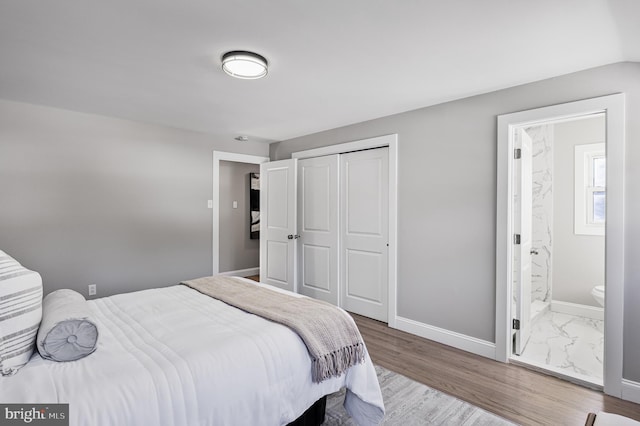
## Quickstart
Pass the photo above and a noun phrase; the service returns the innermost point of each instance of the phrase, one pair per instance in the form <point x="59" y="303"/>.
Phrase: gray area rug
<point x="408" y="402"/>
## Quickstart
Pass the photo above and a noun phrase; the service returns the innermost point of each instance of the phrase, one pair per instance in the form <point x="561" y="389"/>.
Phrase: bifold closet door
<point x="364" y="259"/>
<point x="318" y="228"/>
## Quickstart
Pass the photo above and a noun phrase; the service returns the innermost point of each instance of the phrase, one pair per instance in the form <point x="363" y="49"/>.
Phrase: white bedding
<point x="173" y="356"/>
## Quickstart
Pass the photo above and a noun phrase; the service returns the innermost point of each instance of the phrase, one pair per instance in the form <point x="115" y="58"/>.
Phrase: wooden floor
<point x="513" y="392"/>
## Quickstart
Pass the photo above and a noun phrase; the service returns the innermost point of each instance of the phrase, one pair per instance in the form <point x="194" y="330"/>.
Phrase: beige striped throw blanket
<point x="331" y="336"/>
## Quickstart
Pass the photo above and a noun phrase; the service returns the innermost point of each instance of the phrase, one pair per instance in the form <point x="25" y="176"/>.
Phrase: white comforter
<point x="173" y="356"/>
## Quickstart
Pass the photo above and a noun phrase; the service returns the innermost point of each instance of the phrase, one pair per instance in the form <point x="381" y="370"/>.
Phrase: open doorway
<point x="515" y="252"/>
<point x="228" y="167"/>
<point x="559" y="210"/>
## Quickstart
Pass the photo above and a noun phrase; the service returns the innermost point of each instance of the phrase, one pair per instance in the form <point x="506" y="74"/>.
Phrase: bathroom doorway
<point x="560" y="238"/>
<point x="558" y="266"/>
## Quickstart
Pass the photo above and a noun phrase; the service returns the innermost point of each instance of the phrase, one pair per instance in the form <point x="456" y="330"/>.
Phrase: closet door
<point x="364" y="259"/>
<point x="278" y="224"/>
<point x="318" y="228"/>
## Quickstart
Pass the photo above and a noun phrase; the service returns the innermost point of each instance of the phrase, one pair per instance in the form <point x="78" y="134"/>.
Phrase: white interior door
<point x="522" y="251"/>
<point x="278" y="224"/>
<point x="318" y="228"/>
<point x="364" y="200"/>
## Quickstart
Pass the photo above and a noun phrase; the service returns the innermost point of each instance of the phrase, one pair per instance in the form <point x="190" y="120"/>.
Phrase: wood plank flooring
<point x="521" y="395"/>
<point x="513" y="392"/>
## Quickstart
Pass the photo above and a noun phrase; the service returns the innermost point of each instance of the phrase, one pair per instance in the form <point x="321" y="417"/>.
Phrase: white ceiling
<point x="332" y="62"/>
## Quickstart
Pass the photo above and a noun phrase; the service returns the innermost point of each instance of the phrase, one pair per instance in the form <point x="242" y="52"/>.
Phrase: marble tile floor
<point x="567" y="345"/>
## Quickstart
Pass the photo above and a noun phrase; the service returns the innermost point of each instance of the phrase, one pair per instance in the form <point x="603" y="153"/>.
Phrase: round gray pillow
<point x="70" y="340"/>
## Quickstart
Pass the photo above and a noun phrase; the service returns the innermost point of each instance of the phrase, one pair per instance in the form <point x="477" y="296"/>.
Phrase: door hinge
<point x="516" y="238"/>
<point x="517" y="153"/>
<point x="516" y="324"/>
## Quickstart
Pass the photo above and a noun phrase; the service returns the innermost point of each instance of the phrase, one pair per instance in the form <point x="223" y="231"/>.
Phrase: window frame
<point x="585" y="156"/>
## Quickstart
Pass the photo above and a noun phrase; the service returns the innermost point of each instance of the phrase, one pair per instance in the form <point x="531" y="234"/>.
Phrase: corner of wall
<point x="631" y="391"/>
<point x="273" y="151"/>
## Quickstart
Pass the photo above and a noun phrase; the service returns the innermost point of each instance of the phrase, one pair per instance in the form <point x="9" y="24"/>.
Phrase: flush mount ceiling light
<point x="246" y="65"/>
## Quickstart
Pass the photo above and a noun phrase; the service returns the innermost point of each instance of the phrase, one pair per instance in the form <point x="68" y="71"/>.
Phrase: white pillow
<point x="66" y="332"/>
<point x="20" y="313"/>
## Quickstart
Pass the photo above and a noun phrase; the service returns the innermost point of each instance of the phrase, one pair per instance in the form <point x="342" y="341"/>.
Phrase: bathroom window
<point x="590" y="189"/>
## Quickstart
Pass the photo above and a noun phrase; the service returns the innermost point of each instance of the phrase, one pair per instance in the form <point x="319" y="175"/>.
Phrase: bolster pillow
<point x="66" y="332"/>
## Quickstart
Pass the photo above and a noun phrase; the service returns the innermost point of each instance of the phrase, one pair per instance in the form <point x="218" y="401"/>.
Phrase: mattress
<point x="173" y="356"/>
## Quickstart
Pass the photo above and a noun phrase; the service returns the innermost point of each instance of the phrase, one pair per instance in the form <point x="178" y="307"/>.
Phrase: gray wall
<point x="578" y="260"/>
<point x="237" y="250"/>
<point x="447" y="198"/>
<point x="91" y="199"/>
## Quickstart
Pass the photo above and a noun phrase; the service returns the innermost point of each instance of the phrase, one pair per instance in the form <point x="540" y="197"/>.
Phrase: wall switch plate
<point x="92" y="289"/>
<point x="210" y="204"/>
<point x="235" y="204"/>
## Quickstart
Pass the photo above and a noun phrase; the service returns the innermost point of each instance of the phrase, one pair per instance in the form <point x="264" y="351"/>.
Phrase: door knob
<point x="533" y="251"/>
<point x="291" y="236"/>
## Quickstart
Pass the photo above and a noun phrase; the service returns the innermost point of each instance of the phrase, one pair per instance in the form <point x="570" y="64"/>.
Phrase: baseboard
<point x="242" y="272"/>
<point x="631" y="391"/>
<point x="446" y="337"/>
<point x="592" y="312"/>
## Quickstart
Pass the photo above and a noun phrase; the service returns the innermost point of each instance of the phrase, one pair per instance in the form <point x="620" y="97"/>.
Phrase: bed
<point x="174" y="356"/>
<point x="609" y="419"/>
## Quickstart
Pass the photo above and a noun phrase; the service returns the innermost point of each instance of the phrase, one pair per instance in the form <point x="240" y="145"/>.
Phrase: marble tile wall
<point x="542" y="164"/>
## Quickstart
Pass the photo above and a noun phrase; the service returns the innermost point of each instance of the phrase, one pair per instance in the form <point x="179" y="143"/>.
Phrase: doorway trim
<point x="390" y="141"/>
<point x="613" y="106"/>
<point x="217" y="157"/>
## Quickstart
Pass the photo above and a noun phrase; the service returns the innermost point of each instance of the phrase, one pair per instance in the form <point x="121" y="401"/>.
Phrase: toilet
<point x="598" y="294"/>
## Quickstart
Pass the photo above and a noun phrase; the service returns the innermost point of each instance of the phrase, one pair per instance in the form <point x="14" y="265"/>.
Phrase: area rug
<point x="409" y="403"/>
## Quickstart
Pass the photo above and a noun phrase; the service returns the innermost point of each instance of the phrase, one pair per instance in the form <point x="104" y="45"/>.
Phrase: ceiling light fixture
<point x="245" y="65"/>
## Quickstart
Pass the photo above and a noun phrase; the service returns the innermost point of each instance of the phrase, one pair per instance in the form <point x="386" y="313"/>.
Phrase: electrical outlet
<point x="92" y="289"/>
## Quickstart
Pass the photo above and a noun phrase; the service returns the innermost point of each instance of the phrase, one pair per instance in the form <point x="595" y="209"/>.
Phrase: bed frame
<point x="314" y="416"/>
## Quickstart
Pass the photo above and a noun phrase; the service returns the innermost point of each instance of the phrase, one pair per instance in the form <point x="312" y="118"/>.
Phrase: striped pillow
<point x="20" y="313"/>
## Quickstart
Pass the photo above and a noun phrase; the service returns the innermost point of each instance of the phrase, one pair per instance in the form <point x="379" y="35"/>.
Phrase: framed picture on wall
<point x="254" y="206"/>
